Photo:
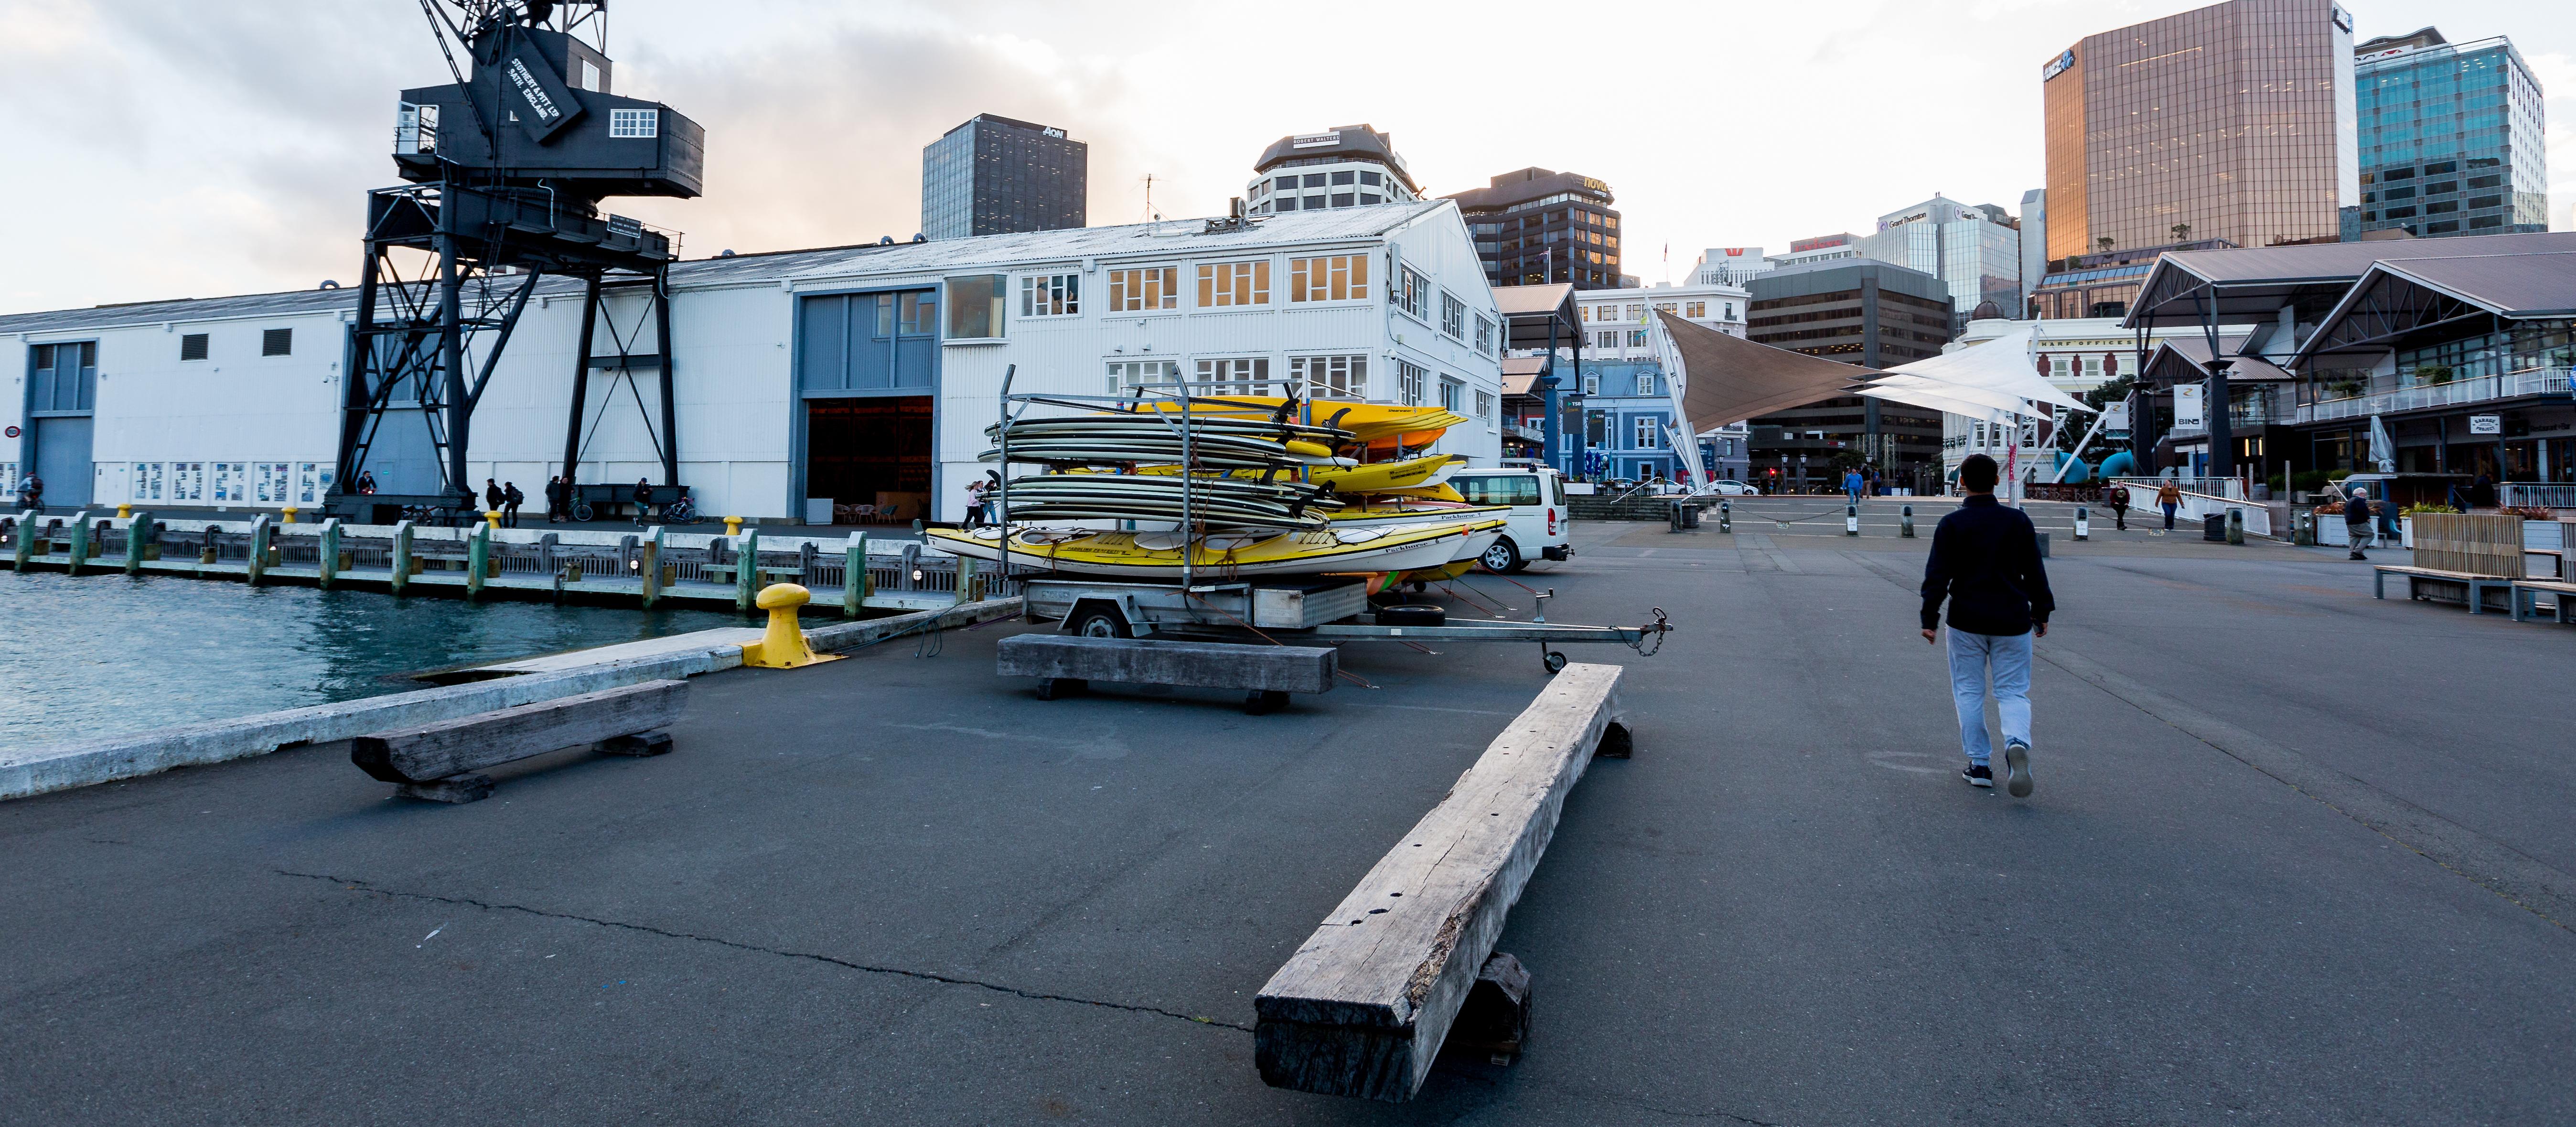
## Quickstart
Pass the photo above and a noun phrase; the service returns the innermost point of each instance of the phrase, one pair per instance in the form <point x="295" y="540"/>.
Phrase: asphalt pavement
<point x="2296" y="856"/>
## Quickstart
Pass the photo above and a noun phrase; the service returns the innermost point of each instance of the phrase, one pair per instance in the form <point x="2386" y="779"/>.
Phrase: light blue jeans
<point x="1972" y="656"/>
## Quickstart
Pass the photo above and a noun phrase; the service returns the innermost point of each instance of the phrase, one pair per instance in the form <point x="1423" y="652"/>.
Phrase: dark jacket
<point x="512" y="496"/>
<point x="1985" y="560"/>
<point x="491" y="496"/>
<point x="2356" y="510"/>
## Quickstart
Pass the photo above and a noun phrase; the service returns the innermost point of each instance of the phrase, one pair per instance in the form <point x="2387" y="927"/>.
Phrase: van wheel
<point x="1503" y="557"/>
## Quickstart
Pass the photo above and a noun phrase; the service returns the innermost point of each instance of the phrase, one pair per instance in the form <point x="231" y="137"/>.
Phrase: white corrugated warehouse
<point x="863" y="375"/>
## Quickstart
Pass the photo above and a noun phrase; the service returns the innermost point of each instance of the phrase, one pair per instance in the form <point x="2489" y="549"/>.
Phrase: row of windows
<point x="1221" y="285"/>
<point x="272" y="342"/>
<point x="1331" y="377"/>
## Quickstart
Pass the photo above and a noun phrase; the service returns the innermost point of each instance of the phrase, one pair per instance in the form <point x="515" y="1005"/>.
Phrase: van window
<point x="1498" y="490"/>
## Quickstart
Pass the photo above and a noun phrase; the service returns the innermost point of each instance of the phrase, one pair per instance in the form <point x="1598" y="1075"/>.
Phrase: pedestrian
<point x="511" y="499"/>
<point x="555" y="499"/>
<point x="491" y="496"/>
<point x="366" y="481"/>
<point x="1985" y="561"/>
<point x="31" y="493"/>
<point x="2482" y="492"/>
<point x="2356" y="521"/>
<point x="1852" y="483"/>
<point x="2118" y="498"/>
<point x="975" y="503"/>
<point x="643" y="500"/>
<point x="2169" y="498"/>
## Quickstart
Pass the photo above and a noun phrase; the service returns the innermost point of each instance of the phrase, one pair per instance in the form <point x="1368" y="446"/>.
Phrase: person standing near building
<point x="555" y="499"/>
<point x="2168" y="498"/>
<point x="491" y="496"/>
<point x="2356" y="521"/>
<point x="2118" y="498"/>
<point x="31" y="493"/>
<point x="643" y="501"/>
<point x="1985" y="562"/>
<point x="511" y="499"/>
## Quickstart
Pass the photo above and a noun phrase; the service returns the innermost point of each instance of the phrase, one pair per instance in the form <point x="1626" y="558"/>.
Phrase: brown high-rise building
<point x="2233" y="122"/>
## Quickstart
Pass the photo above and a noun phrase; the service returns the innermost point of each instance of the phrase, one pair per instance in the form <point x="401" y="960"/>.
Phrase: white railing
<point x="2142" y="490"/>
<point x="1525" y="434"/>
<point x="2533" y="493"/>
<point x="2474" y="389"/>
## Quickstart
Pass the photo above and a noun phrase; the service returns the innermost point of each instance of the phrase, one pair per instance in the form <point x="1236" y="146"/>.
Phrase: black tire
<point x="1554" y="661"/>
<point x="582" y="511"/>
<point x="1502" y="557"/>
<point x="1097" y="622"/>
<point x="682" y="511"/>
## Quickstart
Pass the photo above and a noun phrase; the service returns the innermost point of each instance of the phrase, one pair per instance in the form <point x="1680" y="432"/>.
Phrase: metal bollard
<point x="1725" y="516"/>
<point x="2083" y="524"/>
<point x="1905" y="523"/>
<point x="1851" y="520"/>
<point x="2236" y="526"/>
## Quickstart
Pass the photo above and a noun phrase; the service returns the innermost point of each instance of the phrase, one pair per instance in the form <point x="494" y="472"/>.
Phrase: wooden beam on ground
<point x="470" y="743"/>
<point x="1362" y="1007"/>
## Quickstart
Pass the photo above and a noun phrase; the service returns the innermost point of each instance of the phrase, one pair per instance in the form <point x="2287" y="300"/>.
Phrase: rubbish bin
<point x="2213" y="528"/>
<point x="1684" y="516"/>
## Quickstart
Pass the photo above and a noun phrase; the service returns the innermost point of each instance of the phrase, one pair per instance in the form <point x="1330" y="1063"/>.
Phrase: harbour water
<point x="98" y="655"/>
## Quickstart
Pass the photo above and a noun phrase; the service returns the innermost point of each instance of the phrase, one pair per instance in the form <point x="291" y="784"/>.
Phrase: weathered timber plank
<point x="1219" y="665"/>
<point x="1362" y="1007"/>
<point x="432" y="751"/>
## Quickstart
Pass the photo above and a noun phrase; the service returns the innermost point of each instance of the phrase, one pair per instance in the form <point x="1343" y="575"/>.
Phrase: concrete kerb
<point x="42" y="770"/>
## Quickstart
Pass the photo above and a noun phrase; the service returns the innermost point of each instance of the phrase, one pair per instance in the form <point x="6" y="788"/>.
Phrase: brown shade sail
<point x="1727" y="379"/>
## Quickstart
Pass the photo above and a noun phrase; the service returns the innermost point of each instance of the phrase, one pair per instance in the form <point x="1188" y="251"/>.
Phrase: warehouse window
<point x="1339" y="277"/>
<point x="634" y="123"/>
<point x="1224" y="284"/>
<point x="1453" y="316"/>
<point x="1150" y="287"/>
<point x="192" y="346"/>
<point x="1236" y="375"/>
<point x="1485" y="406"/>
<point x="1411" y="292"/>
<point x="1330" y="377"/>
<point x="1408" y="381"/>
<point x="277" y="342"/>
<point x="1484" y="334"/>
<point x="975" y="306"/>
<point x="1126" y="375"/>
<point x="1453" y="396"/>
<point x="1051" y="295"/>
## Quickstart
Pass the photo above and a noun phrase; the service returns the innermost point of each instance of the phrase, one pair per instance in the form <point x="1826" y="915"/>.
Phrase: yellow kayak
<point x="1373" y="423"/>
<point x="1158" y="554"/>
<point x="1411" y="473"/>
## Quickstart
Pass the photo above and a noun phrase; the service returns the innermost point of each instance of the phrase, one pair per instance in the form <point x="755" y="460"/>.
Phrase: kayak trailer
<point x="1314" y="612"/>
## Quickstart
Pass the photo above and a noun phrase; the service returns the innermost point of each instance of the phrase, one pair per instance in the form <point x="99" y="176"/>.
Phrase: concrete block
<point x="1216" y="665"/>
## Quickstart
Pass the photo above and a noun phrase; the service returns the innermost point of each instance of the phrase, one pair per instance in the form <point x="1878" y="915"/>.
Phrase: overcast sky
<point x="179" y="148"/>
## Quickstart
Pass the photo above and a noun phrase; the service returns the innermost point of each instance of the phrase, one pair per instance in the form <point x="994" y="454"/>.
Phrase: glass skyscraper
<point x="997" y="176"/>
<point x="2231" y="122"/>
<point x="2451" y="137"/>
<point x="1976" y="251"/>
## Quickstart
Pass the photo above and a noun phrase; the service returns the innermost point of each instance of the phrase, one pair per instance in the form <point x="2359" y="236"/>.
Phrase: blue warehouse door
<point x="866" y="367"/>
<point x="62" y="459"/>
<point x="867" y="344"/>
<point x="62" y="393"/>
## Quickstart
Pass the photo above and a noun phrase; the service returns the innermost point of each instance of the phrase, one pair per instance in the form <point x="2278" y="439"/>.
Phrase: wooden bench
<point x="439" y="761"/>
<point x="1066" y="663"/>
<point x="2526" y="604"/>
<point x="1362" y="1008"/>
<point x="2434" y="585"/>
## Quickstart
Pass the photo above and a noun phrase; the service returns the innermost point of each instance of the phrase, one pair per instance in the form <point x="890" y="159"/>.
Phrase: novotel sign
<point x="2058" y="65"/>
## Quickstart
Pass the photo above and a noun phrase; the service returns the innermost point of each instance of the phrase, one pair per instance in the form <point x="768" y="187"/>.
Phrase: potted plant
<point x="2406" y="523"/>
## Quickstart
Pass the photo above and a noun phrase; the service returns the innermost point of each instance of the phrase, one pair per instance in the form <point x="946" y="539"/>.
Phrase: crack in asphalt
<point x="925" y="976"/>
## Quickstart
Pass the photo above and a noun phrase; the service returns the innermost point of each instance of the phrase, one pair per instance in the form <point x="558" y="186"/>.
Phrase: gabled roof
<point x="2189" y="358"/>
<point x="2253" y="283"/>
<point x="2400" y="299"/>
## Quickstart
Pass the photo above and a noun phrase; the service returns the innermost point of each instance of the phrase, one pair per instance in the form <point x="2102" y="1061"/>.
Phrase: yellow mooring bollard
<point x="290" y="513"/>
<point x="125" y="512"/>
<point x="733" y="526"/>
<point x="783" y="647"/>
<point x="493" y="518"/>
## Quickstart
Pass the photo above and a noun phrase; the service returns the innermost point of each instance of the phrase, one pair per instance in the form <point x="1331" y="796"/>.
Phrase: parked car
<point x="1732" y="488"/>
<point x="1540" y="525"/>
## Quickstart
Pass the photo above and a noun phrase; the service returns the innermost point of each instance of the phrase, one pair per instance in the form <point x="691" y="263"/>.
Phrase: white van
<point x="1540" y="525"/>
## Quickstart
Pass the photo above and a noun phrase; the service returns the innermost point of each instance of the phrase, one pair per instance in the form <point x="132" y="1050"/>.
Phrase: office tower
<point x="997" y="176"/>
<point x="1869" y="314"/>
<point x="1976" y="251"/>
<point x="2451" y="137"/>
<point x="2234" y="122"/>
<point x="1534" y="226"/>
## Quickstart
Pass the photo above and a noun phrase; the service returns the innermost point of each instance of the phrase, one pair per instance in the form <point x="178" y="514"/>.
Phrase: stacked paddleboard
<point x="1262" y="495"/>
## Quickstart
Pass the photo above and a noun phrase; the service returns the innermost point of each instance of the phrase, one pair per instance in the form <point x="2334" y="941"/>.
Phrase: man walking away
<point x="511" y="499"/>
<point x="2169" y="498"/>
<point x="1985" y="561"/>
<point x="2356" y="521"/>
<point x="2118" y="499"/>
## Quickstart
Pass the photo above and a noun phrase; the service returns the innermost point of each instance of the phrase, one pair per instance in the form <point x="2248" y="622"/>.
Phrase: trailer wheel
<point x="1554" y="661"/>
<point x="1093" y="620"/>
